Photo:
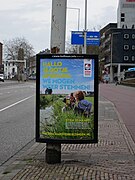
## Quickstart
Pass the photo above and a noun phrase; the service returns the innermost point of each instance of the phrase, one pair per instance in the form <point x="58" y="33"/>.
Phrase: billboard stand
<point x="66" y="101"/>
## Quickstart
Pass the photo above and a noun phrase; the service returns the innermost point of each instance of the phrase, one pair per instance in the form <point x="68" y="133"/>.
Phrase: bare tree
<point x="18" y="50"/>
<point x="73" y="49"/>
<point x="12" y="49"/>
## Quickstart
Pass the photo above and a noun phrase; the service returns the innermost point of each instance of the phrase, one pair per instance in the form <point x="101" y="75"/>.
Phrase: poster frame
<point x="66" y="56"/>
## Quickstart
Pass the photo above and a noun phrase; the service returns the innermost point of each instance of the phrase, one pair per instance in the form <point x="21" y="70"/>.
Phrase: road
<point x="123" y="97"/>
<point x="17" y="117"/>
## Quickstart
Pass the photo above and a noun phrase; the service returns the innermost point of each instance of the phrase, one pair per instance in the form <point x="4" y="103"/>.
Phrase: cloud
<point x="26" y="19"/>
<point x="32" y="19"/>
<point x="103" y="18"/>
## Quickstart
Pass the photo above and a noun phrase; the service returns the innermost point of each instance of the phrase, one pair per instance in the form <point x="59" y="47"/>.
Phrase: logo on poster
<point x="87" y="66"/>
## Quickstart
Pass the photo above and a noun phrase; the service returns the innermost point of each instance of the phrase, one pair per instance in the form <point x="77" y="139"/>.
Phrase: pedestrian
<point x="116" y="80"/>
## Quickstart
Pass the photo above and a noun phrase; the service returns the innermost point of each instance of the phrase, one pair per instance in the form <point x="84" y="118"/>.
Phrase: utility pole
<point x="20" y="66"/>
<point x="58" y="26"/>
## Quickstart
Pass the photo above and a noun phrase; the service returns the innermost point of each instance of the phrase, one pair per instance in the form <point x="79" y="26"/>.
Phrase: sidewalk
<point x="113" y="158"/>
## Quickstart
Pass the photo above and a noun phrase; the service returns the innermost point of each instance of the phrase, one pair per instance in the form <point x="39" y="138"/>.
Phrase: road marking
<point x="16" y="87"/>
<point x="15" y="103"/>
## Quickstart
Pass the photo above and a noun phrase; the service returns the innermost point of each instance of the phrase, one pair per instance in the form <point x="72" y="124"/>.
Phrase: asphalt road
<point x="17" y="117"/>
<point x="123" y="97"/>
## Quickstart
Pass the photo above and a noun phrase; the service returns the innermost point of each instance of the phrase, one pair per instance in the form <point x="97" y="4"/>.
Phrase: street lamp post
<point x="85" y="29"/>
<point x="111" y="69"/>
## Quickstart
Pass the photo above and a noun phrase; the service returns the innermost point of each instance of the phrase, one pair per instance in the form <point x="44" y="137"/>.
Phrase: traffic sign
<point x="92" y="38"/>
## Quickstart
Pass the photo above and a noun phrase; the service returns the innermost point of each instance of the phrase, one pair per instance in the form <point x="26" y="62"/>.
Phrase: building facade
<point x="10" y="69"/>
<point x="13" y="67"/>
<point x="117" y="47"/>
<point x="117" y="50"/>
<point x="126" y="14"/>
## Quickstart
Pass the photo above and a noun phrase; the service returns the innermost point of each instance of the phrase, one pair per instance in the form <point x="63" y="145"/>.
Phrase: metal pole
<point x="85" y="14"/>
<point x="85" y="29"/>
<point x="78" y="27"/>
<point x="7" y="69"/>
<point x="111" y="74"/>
<point x="78" y="19"/>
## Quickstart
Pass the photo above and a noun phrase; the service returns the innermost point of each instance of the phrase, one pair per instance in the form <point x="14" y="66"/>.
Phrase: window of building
<point x="133" y="47"/>
<point x="133" y="36"/>
<point x="122" y="19"/>
<point x="128" y="5"/>
<point x="133" y="58"/>
<point x="13" y="70"/>
<point x="126" y="36"/>
<point x="126" y="47"/>
<point x="126" y="58"/>
<point x="122" y="14"/>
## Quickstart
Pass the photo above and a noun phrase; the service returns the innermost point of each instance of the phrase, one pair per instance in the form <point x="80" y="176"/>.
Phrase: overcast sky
<point x="31" y="19"/>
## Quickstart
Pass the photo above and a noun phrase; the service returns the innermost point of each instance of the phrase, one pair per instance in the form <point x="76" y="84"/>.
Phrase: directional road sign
<point x="92" y="38"/>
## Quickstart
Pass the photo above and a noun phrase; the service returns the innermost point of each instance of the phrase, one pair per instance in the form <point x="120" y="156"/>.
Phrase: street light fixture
<point x="85" y="26"/>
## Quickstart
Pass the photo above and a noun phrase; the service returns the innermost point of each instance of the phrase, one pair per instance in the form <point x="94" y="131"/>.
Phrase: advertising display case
<point x="67" y="98"/>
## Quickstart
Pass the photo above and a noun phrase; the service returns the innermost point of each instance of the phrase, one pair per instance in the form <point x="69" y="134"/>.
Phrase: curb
<point x="127" y="136"/>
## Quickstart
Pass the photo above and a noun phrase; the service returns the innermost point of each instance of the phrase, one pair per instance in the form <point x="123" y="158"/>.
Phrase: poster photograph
<point x="67" y="98"/>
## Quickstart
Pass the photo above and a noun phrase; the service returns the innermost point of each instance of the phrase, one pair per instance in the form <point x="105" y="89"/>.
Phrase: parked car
<point x="2" y="77"/>
<point x="32" y="77"/>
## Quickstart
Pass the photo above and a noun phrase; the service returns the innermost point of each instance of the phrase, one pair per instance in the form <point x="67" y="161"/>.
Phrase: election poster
<point x="67" y="98"/>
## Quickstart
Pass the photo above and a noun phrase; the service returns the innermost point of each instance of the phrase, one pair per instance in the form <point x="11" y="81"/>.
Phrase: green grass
<point x="59" y="129"/>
